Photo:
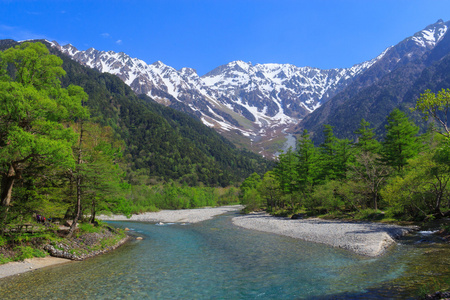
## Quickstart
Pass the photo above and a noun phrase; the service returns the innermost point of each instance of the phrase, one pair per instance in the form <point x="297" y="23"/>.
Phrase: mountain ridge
<point x="374" y="101"/>
<point x="239" y="97"/>
<point x="253" y="104"/>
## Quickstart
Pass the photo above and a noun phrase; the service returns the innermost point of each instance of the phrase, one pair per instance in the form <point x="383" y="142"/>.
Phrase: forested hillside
<point x="402" y="176"/>
<point x="74" y="142"/>
<point x="161" y="143"/>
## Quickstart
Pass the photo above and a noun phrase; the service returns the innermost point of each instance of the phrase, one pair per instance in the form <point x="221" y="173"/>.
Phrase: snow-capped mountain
<point x="246" y="98"/>
<point x="237" y="95"/>
<point x="431" y="35"/>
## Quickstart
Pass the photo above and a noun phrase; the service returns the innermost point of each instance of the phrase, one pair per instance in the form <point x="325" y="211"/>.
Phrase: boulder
<point x="299" y="216"/>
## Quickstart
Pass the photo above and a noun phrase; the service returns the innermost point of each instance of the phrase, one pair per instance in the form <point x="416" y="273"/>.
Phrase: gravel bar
<point x="175" y="216"/>
<point x="14" y="268"/>
<point x="363" y="238"/>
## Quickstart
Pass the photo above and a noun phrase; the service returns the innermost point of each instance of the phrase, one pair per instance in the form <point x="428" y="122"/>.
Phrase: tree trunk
<point x="375" y="202"/>
<point x="93" y="210"/>
<point x="7" y="186"/>
<point x="78" y="206"/>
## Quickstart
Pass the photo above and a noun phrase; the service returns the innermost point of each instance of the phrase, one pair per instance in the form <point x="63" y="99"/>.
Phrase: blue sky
<point x="204" y="34"/>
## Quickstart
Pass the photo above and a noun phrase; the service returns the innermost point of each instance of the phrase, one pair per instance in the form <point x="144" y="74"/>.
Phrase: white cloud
<point x="119" y="42"/>
<point x="105" y="35"/>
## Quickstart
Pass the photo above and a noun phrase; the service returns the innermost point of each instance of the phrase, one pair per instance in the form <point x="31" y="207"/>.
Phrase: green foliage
<point x="341" y="179"/>
<point x="3" y="241"/>
<point x="33" y="110"/>
<point x="436" y="106"/>
<point x="369" y="214"/>
<point x="252" y="200"/>
<point x="142" y="198"/>
<point x="366" y="141"/>
<point x="400" y="143"/>
<point x="423" y="190"/>
<point x="270" y="190"/>
<point x="25" y="252"/>
<point x="161" y="144"/>
<point x="4" y="260"/>
<point x="286" y="171"/>
<point x="326" y="198"/>
<point x="88" y="228"/>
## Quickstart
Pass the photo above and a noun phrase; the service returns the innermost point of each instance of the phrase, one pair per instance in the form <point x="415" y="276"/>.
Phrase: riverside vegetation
<point x="403" y="178"/>
<point x="69" y="151"/>
<point x="66" y="154"/>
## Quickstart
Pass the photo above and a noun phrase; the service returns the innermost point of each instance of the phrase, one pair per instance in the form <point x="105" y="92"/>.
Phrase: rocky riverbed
<point x="364" y="238"/>
<point x="175" y="216"/>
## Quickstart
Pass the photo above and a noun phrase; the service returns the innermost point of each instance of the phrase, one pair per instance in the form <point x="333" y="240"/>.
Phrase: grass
<point x="20" y="246"/>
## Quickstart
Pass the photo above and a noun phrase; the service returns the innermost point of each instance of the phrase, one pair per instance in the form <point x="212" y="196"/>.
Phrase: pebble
<point x="364" y="238"/>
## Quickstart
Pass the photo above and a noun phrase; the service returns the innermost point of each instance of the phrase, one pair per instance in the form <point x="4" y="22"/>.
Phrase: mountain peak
<point x="431" y="35"/>
<point x="159" y="64"/>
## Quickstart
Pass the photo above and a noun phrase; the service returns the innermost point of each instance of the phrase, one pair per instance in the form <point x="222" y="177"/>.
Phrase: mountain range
<point x="160" y="144"/>
<point x="257" y="105"/>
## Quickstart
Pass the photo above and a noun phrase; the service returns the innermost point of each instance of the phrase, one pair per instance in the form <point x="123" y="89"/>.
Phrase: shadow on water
<point x="217" y="260"/>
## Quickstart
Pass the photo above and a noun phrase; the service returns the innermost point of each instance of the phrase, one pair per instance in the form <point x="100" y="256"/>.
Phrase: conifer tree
<point x="400" y="142"/>
<point x="366" y="138"/>
<point x="286" y="171"/>
<point x="327" y="154"/>
<point x="307" y="162"/>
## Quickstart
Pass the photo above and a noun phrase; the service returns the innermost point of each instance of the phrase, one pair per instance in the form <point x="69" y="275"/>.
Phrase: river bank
<point x="83" y="245"/>
<point x="30" y="264"/>
<point x="369" y="239"/>
<point x="363" y="238"/>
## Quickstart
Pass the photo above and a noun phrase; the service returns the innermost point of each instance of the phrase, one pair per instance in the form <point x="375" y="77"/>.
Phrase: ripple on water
<point x="212" y="259"/>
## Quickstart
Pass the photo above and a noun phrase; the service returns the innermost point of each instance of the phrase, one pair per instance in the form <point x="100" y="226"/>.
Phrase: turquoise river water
<point x="216" y="260"/>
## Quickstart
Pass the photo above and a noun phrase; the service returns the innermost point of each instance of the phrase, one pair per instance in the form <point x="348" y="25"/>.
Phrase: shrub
<point x="25" y="252"/>
<point x="88" y="228"/>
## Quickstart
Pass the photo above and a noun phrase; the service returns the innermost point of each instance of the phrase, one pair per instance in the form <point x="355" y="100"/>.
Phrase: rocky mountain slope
<point x="396" y="80"/>
<point x="255" y="105"/>
<point x="237" y="99"/>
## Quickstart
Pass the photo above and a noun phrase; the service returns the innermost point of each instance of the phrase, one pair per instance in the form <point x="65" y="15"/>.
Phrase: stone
<point x="139" y="238"/>
<point x="298" y="216"/>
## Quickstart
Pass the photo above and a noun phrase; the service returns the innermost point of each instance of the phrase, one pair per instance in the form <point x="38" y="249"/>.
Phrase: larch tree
<point x="400" y="143"/>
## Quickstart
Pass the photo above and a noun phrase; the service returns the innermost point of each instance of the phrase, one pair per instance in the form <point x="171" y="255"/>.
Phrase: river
<point x="216" y="260"/>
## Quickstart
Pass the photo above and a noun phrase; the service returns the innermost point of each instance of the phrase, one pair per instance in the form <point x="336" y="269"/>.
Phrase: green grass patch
<point x="25" y="252"/>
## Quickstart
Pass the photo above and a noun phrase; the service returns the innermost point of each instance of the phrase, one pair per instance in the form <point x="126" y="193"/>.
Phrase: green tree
<point x="400" y="143"/>
<point x="286" y="171"/>
<point x="269" y="190"/>
<point x="335" y="155"/>
<point x="369" y="176"/>
<point x="100" y="172"/>
<point x="251" y="182"/>
<point x="366" y="140"/>
<point x="344" y="155"/>
<point x="33" y="107"/>
<point x="436" y="106"/>
<point x="327" y="153"/>
<point x="422" y="191"/>
<point x="308" y="167"/>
